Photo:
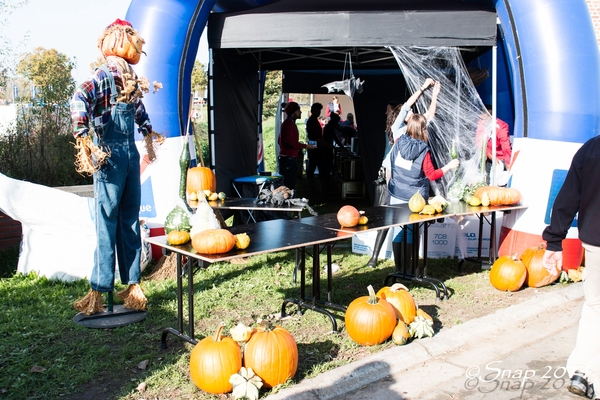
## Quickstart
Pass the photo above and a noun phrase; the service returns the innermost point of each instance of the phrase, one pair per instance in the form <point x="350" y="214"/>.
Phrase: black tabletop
<point x="379" y="217"/>
<point x="265" y="237"/>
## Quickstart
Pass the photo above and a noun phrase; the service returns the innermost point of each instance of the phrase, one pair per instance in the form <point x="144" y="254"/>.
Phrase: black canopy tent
<point x="310" y="41"/>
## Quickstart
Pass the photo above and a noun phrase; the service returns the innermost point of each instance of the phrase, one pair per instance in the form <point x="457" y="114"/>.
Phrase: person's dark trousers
<point x="288" y="169"/>
<point x="381" y="235"/>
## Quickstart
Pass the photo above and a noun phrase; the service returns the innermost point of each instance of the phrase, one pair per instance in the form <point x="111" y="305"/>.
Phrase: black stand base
<point x="120" y="316"/>
<point x="166" y="331"/>
<point x="308" y="303"/>
<point x="441" y="291"/>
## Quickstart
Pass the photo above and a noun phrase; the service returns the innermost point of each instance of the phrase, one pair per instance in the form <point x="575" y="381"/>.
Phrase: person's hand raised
<point x="437" y="86"/>
<point x="428" y="82"/>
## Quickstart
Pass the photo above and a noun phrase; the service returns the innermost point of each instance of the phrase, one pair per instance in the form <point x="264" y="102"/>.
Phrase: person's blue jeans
<point x="117" y="193"/>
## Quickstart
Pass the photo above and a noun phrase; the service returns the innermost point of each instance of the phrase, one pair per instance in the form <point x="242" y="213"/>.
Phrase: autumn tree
<point x="199" y="77"/>
<point x="38" y="148"/>
<point x="272" y="93"/>
<point x="50" y="72"/>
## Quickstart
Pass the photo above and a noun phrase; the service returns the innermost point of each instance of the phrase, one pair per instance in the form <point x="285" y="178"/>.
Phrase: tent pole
<point x="211" y="111"/>
<point x="493" y="177"/>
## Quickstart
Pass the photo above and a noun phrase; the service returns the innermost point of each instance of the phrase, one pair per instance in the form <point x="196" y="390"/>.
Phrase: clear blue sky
<point x="70" y="26"/>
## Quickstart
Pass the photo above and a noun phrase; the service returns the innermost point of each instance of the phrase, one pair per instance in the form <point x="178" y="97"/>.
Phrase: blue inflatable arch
<point x="548" y="63"/>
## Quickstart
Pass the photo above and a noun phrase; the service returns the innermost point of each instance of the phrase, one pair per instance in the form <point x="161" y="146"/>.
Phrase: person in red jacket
<point x="289" y="145"/>
<point x="503" y="146"/>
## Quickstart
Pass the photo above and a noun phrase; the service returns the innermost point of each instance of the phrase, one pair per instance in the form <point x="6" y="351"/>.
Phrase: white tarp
<point x="59" y="237"/>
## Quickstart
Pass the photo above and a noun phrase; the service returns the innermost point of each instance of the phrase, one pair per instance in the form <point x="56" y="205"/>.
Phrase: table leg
<point x="179" y="331"/>
<point x="314" y="303"/>
<point x="415" y="274"/>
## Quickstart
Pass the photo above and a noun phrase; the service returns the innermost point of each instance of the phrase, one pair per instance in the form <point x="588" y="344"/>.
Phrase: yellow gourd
<point x="176" y="237"/>
<point x="416" y="203"/>
<point x="428" y="209"/>
<point x="242" y="241"/>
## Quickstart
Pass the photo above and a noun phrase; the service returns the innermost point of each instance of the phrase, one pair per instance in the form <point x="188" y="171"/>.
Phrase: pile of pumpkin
<point x="492" y="196"/>
<point x="349" y="217"/>
<point x="391" y="312"/>
<point x="510" y="273"/>
<point x="434" y="205"/>
<point x="206" y="235"/>
<point x="249" y="359"/>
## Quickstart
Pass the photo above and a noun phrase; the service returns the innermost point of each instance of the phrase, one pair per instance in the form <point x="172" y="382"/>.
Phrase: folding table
<point x="461" y="208"/>
<point x="387" y="217"/>
<point x="265" y="237"/>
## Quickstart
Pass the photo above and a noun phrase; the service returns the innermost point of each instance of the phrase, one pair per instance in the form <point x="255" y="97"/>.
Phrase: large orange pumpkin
<point x="348" y="216"/>
<point x="370" y="320"/>
<point x="212" y="362"/>
<point x="508" y="274"/>
<point x="402" y="301"/>
<point x="199" y="179"/>
<point x="537" y="274"/>
<point x="499" y="195"/>
<point x="213" y="241"/>
<point x="272" y="354"/>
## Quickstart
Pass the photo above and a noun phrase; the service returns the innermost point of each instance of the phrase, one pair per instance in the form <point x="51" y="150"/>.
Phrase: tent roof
<point x="301" y="33"/>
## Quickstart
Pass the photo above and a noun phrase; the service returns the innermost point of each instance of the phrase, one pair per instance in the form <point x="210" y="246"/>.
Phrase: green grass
<point x="36" y="328"/>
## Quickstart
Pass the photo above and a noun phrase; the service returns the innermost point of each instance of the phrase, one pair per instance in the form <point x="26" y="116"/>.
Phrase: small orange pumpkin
<point x="200" y="179"/>
<point x="508" y="273"/>
<point x="537" y="274"/>
<point x="348" y="216"/>
<point x="370" y="320"/>
<point x="212" y="362"/>
<point x="213" y="241"/>
<point x="272" y="354"/>
<point x="402" y="301"/>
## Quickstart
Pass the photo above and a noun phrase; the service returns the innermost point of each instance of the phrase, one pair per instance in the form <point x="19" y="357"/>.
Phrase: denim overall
<point x="117" y="194"/>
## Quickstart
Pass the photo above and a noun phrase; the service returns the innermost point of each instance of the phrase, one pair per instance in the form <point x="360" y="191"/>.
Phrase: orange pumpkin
<point x="272" y="354"/>
<point x="200" y="179"/>
<point x="402" y="301"/>
<point x="508" y="274"/>
<point x="213" y="241"/>
<point x="370" y="320"/>
<point x="537" y="274"/>
<point x="499" y="195"/>
<point x="348" y="216"/>
<point x="122" y="41"/>
<point x="212" y="362"/>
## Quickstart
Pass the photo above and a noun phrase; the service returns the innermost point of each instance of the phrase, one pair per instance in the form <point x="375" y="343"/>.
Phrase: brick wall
<point x="10" y="232"/>
<point x="594" y="7"/>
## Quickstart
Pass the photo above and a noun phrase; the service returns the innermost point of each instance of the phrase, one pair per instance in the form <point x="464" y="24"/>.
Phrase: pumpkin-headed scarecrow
<point x="104" y="109"/>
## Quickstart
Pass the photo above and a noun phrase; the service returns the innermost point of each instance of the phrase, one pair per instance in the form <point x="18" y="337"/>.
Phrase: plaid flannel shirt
<point x="91" y="101"/>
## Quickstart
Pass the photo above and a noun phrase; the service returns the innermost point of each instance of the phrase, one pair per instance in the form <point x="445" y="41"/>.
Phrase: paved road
<point x="516" y="353"/>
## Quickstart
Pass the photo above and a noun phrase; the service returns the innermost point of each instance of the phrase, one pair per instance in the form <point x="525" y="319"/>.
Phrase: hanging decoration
<point x="350" y="85"/>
